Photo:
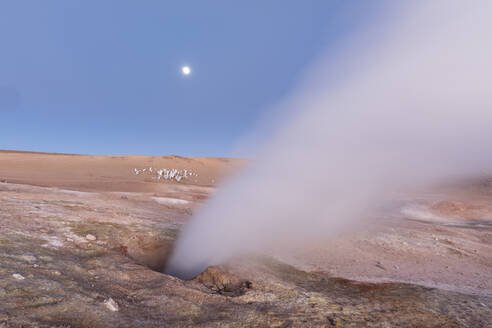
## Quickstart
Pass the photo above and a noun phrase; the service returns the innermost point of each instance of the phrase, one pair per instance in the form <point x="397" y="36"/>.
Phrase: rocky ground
<point x="92" y="257"/>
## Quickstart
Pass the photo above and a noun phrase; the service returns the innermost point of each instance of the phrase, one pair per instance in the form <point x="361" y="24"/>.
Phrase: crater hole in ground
<point x="154" y="252"/>
<point x="147" y="250"/>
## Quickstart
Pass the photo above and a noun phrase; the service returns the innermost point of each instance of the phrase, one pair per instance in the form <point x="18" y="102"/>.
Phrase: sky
<point x="104" y="77"/>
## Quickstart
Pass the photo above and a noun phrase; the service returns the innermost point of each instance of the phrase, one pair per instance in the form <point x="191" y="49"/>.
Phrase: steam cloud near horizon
<point x="413" y="108"/>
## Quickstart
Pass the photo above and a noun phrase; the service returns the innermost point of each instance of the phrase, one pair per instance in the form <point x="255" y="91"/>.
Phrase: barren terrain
<point x="84" y="239"/>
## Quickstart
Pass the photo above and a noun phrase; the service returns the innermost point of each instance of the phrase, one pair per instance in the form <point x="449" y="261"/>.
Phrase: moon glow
<point x="186" y="70"/>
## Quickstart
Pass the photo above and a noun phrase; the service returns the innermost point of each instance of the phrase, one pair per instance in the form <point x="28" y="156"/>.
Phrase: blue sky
<point x="103" y="77"/>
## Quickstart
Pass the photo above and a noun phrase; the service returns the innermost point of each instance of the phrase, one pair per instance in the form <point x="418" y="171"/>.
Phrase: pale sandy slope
<point x="109" y="173"/>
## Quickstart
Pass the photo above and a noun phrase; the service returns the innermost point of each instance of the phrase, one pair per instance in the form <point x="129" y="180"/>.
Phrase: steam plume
<point x="414" y="107"/>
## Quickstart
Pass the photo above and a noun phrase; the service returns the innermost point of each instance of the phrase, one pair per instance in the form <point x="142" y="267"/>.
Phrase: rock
<point x="223" y="282"/>
<point x="111" y="305"/>
<point x="2" y="292"/>
<point x="379" y="265"/>
<point x="90" y="237"/>
<point x="28" y="258"/>
<point x="18" y="276"/>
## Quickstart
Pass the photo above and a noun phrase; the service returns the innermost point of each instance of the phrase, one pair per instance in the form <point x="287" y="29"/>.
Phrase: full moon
<point x="186" y="70"/>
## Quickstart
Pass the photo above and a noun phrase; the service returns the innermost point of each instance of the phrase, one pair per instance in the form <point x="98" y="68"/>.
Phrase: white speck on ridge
<point x="90" y="237"/>
<point x="111" y="305"/>
<point x="18" y="276"/>
<point x="53" y="241"/>
<point x="170" y="201"/>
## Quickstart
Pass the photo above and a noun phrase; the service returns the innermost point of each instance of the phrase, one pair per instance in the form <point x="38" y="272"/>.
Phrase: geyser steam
<point x="413" y="108"/>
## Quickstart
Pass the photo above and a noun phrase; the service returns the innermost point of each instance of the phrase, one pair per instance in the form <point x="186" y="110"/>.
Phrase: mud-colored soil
<point x="107" y="173"/>
<point x="92" y="256"/>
